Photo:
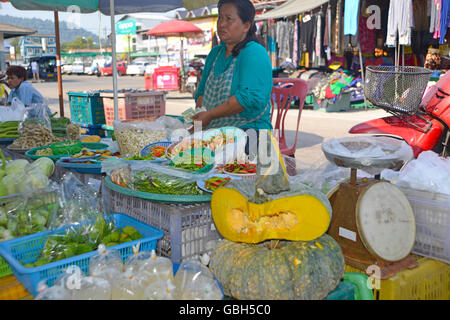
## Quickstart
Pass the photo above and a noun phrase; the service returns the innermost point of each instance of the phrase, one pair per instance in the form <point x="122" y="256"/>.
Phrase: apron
<point x="217" y="91"/>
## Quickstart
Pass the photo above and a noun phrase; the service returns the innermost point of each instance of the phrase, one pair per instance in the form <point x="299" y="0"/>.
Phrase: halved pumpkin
<point x="290" y="215"/>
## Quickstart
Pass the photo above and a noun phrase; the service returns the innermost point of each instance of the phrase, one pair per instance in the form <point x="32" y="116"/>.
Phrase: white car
<point x="78" y="68"/>
<point x="66" y="68"/>
<point x="137" y="68"/>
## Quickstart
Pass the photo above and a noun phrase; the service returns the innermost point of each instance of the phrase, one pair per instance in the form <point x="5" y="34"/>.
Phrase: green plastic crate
<point x="86" y="108"/>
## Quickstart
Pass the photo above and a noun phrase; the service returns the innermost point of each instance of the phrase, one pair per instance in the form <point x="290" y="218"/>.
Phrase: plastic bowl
<point x="66" y="147"/>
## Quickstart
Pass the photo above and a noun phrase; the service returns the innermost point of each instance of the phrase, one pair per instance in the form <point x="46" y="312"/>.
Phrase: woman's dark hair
<point x="246" y="12"/>
<point x="18" y="71"/>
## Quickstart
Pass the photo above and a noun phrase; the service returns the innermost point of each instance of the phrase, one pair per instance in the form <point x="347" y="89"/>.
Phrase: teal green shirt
<point x="252" y="80"/>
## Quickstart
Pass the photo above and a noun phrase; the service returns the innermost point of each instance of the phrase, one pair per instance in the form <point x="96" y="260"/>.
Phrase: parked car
<point x="137" y="68"/>
<point x="121" y="69"/>
<point x="66" y="68"/>
<point x="78" y="68"/>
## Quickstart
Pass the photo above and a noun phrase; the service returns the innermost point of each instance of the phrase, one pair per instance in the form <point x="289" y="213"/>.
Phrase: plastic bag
<point x="271" y="174"/>
<point x="36" y="115"/>
<point x="159" y="290"/>
<point x="79" y="202"/>
<point x="175" y="129"/>
<point x="92" y="288"/>
<point x="106" y="264"/>
<point x="128" y="286"/>
<point x="15" y="112"/>
<point x="133" y="136"/>
<point x="428" y="172"/>
<point x="56" y="292"/>
<point x="194" y="281"/>
<point x="28" y="214"/>
<point x="156" y="268"/>
<point x="136" y="260"/>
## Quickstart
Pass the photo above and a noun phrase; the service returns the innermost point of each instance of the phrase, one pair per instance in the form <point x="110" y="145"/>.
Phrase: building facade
<point x="37" y="45"/>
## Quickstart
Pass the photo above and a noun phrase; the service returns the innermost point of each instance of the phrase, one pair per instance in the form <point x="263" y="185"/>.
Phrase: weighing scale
<point x="372" y="219"/>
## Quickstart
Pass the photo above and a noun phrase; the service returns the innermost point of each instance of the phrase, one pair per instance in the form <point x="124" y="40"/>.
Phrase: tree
<point x="79" y="43"/>
<point x="15" y="43"/>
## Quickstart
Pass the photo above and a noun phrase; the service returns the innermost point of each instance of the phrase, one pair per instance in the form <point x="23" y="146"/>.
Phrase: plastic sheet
<point x="15" y="112"/>
<point x="368" y="153"/>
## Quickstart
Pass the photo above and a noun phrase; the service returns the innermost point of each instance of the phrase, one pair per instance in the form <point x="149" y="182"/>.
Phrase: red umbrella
<point x="176" y="28"/>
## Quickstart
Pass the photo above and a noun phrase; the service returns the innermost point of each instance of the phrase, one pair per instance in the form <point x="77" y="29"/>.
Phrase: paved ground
<point x="316" y="126"/>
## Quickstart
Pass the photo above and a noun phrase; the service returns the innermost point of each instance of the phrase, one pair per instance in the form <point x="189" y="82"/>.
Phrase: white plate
<point x="201" y="183"/>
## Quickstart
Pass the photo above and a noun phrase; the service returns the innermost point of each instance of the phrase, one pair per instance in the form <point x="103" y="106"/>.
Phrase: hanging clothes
<point x="327" y="36"/>
<point x="338" y="28"/>
<point x="368" y="37"/>
<point x="307" y="27"/>
<point x="351" y="10"/>
<point x="400" y="21"/>
<point x="444" y="20"/>
<point x="295" y="44"/>
<point x="435" y="17"/>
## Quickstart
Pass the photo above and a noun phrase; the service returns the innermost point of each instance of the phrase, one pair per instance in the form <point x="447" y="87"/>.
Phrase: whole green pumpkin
<point x="292" y="270"/>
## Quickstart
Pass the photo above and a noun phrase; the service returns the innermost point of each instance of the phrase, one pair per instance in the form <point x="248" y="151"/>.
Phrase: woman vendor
<point x="236" y="83"/>
<point x="20" y="88"/>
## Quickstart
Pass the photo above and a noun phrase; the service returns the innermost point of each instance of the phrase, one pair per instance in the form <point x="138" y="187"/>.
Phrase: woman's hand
<point x="205" y="117"/>
<point x="199" y="102"/>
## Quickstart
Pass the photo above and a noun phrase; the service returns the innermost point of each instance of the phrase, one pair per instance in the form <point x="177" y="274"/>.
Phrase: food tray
<point x="92" y="146"/>
<point x="7" y="140"/>
<point x="189" y="230"/>
<point x="27" y="249"/>
<point x="91" y="168"/>
<point x="157" y="196"/>
<point x="22" y="151"/>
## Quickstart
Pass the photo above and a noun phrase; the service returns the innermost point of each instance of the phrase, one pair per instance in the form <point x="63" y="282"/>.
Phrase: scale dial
<point x="385" y="221"/>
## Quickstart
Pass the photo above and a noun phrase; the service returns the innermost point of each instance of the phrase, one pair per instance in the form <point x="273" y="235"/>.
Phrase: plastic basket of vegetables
<point x="44" y="256"/>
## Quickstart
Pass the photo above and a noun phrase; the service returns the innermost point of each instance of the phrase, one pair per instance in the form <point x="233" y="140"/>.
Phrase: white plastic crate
<point x="189" y="229"/>
<point x="432" y="214"/>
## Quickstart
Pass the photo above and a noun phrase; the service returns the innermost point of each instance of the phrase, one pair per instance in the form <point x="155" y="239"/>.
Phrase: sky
<point x="88" y="21"/>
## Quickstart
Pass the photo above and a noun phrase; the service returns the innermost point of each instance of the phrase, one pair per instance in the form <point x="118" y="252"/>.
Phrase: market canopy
<point x="120" y="6"/>
<point x="291" y="8"/>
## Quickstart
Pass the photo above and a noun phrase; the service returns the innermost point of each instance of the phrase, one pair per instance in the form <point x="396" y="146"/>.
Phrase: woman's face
<point x="230" y="28"/>
<point x="14" y="81"/>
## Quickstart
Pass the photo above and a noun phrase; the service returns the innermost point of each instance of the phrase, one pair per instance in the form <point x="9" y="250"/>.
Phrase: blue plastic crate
<point x="86" y="108"/>
<point x="27" y="249"/>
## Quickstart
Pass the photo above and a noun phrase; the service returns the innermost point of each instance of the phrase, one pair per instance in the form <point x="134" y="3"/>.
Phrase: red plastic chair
<point x="283" y="92"/>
